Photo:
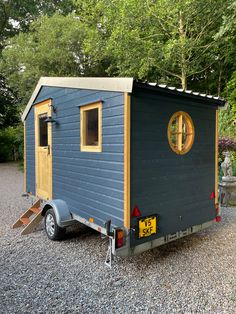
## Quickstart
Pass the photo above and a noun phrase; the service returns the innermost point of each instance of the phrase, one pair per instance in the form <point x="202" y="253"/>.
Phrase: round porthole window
<point x="180" y="132"/>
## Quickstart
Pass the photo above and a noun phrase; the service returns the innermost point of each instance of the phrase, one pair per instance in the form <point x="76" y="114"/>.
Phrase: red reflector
<point x="218" y="218"/>
<point x="119" y="238"/>
<point x="135" y="212"/>
<point x="212" y="195"/>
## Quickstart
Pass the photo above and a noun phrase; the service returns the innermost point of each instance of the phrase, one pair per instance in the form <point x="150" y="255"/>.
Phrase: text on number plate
<point x="147" y="226"/>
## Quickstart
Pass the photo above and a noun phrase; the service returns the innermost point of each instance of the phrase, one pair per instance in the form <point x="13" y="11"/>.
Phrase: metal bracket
<point x="109" y="255"/>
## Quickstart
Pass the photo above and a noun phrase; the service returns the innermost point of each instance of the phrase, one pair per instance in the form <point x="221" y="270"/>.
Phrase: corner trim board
<point x="25" y="156"/>
<point x="127" y="129"/>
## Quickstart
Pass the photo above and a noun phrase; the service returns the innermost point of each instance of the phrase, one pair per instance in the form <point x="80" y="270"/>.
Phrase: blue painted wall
<point x="175" y="187"/>
<point x="92" y="184"/>
<point x="30" y="153"/>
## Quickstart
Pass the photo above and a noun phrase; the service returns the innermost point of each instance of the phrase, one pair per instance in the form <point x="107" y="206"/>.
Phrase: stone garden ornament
<point x="227" y="165"/>
<point x="228" y="184"/>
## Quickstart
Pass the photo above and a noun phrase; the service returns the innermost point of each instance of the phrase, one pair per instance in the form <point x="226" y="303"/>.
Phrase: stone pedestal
<point x="228" y="191"/>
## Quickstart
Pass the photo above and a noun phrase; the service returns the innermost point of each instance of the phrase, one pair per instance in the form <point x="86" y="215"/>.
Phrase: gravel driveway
<point x="196" y="274"/>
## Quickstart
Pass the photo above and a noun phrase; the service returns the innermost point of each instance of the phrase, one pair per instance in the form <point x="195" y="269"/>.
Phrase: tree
<point x="15" y="17"/>
<point x="227" y="34"/>
<point x="159" y="40"/>
<point x="52" y="47"/>
<point x="9" y="114"/>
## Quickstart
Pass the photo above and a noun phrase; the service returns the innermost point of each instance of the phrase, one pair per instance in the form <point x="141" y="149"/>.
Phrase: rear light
<point x="218" y="218"/>
<point x="119" y="238"/>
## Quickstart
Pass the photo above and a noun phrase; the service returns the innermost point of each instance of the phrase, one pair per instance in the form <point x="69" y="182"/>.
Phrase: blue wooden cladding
<point x="91" y="183"/>
<point x="175" y="187"/>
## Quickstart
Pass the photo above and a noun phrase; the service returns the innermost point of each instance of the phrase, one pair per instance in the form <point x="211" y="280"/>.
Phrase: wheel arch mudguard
<point x="61" y="210"/>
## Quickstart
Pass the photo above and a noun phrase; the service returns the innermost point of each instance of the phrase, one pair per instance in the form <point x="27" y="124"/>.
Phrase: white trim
<point x="94" y="83"/>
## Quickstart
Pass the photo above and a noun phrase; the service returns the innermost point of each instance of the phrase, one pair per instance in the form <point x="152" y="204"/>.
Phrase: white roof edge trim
<point x="116" y="84"/>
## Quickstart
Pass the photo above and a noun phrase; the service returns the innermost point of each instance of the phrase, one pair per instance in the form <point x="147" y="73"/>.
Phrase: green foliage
<point x="227" y="117"/>
<point x="188" y="43"/>
<point x="17" y="15"/>
<point x="9" y="114"/>
<point x="158" y="40"/>
<point x="227" y="33"/>
<point x="12" y="143"/>
<point x="226" y="122"/>
<point x="52" y="47"/>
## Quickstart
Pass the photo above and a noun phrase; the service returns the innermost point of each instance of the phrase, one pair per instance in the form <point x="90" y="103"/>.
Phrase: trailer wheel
<point x="53" y="231"/>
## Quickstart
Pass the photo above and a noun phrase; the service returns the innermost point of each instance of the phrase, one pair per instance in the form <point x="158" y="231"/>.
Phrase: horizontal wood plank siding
<point x="92" y="183"/>
<point x="175" y="187"/>
<point x="30" y="152"/>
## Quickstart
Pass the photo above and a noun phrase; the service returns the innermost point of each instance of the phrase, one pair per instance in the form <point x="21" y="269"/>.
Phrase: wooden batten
<point x="216" y="158"/>
<point x="179" y="136"/>
<point x="127" y="125"/>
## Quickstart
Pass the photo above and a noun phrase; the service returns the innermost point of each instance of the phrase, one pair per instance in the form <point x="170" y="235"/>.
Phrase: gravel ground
<point x="196" y="274"/>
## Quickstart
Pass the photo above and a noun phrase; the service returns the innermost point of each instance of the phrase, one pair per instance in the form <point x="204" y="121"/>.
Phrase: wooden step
<point x="35" y="210"/>
<point x="25" y="220"/>
<point x="33" y="223"/>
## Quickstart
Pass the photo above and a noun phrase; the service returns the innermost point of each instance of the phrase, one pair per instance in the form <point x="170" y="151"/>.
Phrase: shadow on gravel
<point x="165" y="253"/>
<point x="77" y="231"/>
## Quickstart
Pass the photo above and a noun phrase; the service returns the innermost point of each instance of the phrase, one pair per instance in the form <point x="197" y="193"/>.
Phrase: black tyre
<point x="53" y="231"/>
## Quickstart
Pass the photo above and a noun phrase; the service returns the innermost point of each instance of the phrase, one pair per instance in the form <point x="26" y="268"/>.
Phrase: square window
<point x="91" y="128"/>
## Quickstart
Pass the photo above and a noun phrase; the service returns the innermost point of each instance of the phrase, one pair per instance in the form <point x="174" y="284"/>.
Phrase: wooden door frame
<point x="40" y="109"/>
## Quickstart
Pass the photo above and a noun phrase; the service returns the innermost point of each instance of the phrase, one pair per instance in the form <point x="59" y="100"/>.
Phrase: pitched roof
<point x="120" y="84"/>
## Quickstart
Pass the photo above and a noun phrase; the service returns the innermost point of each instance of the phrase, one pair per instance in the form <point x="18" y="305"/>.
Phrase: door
<point x="43" y="150"/>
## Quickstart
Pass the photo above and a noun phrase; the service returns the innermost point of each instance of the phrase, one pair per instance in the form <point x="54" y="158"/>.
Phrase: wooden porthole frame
<point x="183" y="121"/>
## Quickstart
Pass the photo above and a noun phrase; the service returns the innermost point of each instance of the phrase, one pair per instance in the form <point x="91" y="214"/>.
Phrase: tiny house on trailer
<point x="134" y="161"/>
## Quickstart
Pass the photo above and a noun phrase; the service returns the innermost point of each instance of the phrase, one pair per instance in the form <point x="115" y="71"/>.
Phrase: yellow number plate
<point x="147" y="226"/>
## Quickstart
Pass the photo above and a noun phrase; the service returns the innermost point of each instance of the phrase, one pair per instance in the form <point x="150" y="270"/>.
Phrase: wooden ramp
<point x="30" y="219"/>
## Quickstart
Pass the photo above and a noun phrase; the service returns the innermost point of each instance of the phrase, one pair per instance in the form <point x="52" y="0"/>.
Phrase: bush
<point x="12" y="144"/>
<point x="226" y="144"/>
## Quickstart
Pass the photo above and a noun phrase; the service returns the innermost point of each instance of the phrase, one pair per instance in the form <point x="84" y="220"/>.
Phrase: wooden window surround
<point x="91" y="127"/>
<point x="181" y="132"/>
